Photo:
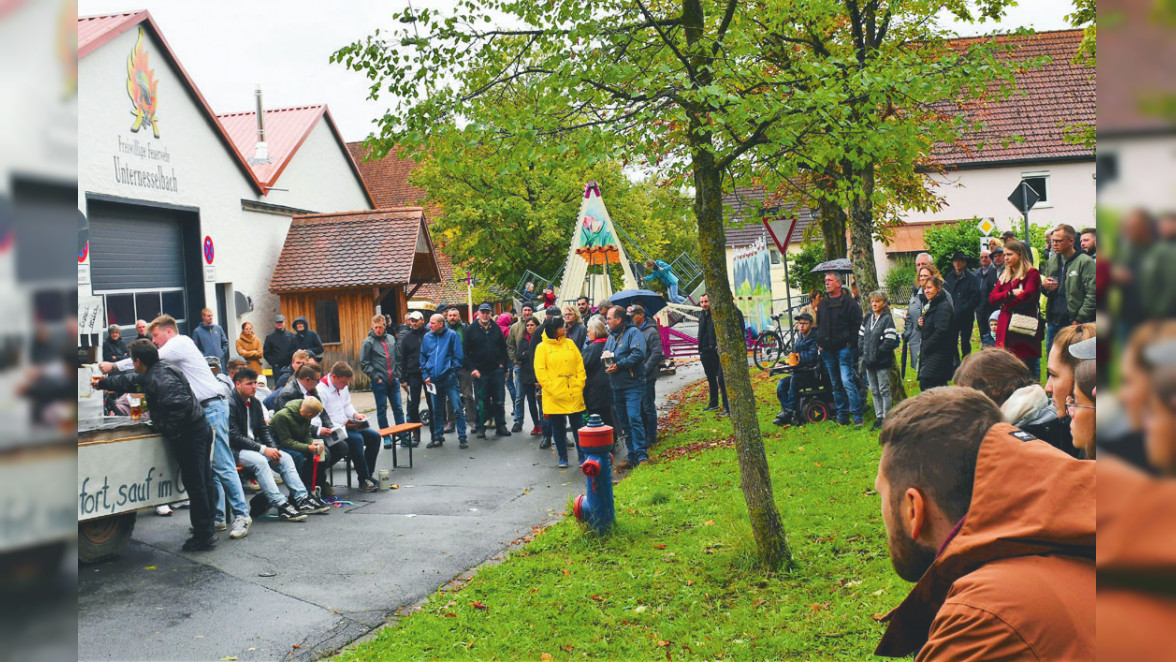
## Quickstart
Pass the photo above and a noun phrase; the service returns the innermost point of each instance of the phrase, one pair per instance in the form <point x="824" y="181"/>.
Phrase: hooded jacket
<point x="1017" y="578"/>
<point x="1032" y="410"/>
<point x="307" y="339"/>
<point x="628" y="348"/>
<point x="504" y="321"/>
<point x="937" y="345"/>
<point x="559" y="369"/>
<point x="1136" y="536"/>
<point x="484" y="347"/>
<point x="279" y="349"/>
<point x="291" y="430"/>
<point x="653" y="349"/>
<point x="441" y="355"/>
<point x="379" y="358"/>
<point x="249" y="347"/>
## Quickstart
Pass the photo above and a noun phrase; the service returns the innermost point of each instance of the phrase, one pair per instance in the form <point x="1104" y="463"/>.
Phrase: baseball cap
<point x="1085" y="350"/>
<point x="804" y="317"/>
<point x="485" y="307"/>
<point x="279" y="318"/>
<point x="416" y="315"/>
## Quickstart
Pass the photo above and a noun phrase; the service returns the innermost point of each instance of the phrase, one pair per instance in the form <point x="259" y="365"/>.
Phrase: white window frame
<point x="1042" y="174"/>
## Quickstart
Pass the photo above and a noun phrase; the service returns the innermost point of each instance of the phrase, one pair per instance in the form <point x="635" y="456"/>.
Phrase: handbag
<point x="1025" y="325"/>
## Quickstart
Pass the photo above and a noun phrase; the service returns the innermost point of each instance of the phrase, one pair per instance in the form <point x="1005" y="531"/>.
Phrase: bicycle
<point x="773" y="344"/>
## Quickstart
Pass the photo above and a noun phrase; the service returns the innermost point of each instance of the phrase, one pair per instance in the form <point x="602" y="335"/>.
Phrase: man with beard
<point x="997" y="530"/>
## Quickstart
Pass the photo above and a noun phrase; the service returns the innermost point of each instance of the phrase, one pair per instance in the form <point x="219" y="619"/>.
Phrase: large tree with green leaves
<point x="502" y="217"/>
<point x="702" y="92"/>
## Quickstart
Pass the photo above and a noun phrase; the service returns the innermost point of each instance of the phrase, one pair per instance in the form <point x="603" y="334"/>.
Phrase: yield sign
<point x="1024" y="197"/>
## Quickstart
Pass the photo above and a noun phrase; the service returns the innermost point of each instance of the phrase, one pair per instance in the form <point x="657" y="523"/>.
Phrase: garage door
<point x="137" y="262"/>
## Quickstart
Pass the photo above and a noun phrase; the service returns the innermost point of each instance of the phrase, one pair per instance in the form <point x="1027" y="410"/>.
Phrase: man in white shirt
<point x="181" y="352"/>
<point x="363" y="441"/>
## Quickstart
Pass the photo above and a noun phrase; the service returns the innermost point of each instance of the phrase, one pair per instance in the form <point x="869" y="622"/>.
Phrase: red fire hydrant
<point x="596" y="507"/>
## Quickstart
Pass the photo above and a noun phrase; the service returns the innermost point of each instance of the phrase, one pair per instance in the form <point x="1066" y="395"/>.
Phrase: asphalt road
<point x="300" y="590"/>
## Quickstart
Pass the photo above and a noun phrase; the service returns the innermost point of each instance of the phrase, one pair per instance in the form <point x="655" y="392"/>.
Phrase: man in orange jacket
<point x="996" y="527"/>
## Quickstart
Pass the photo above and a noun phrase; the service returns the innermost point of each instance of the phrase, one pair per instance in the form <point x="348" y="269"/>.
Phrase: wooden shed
<point x="338" y="270"/>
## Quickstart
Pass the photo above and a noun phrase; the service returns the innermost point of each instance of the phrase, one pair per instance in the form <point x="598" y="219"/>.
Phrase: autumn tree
<point x="696" y="91"/>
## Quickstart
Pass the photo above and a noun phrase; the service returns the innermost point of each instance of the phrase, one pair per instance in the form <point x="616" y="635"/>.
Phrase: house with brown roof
<point x="1136" y="142"/>
<point x="185" y="208"/>
<point x="338" y="270"/>
<point x="1024" y="138"/>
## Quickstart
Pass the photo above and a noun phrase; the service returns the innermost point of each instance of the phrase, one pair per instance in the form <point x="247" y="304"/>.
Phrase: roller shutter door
<point x="135" y="249"/>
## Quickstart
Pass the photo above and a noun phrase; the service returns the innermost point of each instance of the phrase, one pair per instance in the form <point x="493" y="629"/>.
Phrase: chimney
<point x="261" y="150"/>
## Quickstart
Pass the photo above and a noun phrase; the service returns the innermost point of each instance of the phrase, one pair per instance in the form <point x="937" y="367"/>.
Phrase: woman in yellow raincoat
<point x="559" y="369"/>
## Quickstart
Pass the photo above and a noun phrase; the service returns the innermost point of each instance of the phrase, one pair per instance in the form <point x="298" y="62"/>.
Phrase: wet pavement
<point x="301" y="590"/>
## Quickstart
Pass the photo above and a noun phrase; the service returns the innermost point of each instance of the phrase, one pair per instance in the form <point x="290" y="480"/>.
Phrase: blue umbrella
<point x="650" y="300"/>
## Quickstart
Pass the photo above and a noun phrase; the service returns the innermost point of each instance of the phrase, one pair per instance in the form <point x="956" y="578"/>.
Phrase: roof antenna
<point x="261" y="150"/>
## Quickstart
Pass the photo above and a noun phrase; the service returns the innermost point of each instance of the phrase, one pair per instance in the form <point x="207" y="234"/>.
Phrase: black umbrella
<point x="650" y="300"/>
<point x="840" y="265"/>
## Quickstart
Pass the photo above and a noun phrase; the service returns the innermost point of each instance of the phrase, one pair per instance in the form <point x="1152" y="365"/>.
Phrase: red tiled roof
<point x="448" y="290"/>
<point x="1139" y="52"/>
<point x="1048" y="99"/>
<point x="744" y="225"/>
<point x="285" y="131"/>
<point x="387" y="178"/>
<point x="94" y="31"/>
<point x="353" y="249"/>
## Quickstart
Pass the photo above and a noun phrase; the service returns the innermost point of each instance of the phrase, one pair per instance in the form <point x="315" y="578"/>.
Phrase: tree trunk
<point x="861" y="232"/>
<point x="833" y="221"/>
<point x="897" y="388"/>
<point x="768" y="530"/>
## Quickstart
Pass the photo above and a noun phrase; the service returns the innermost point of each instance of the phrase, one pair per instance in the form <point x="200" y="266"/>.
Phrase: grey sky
<point x="230" y="47"/>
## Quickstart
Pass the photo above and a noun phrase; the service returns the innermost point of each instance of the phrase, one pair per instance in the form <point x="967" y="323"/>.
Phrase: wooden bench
<point x="414" y="428"/>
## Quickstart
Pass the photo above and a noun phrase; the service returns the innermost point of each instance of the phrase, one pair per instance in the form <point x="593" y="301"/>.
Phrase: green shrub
<point x="899" y="280"/>
<point x="799" y="278"/>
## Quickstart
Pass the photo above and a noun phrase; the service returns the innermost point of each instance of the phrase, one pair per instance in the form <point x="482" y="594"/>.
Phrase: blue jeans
<point x="839" y="364"/>
<point x="649" y="413"/>
<point x="672" y="290"/>
<point x="260" y="466"/>
<point x="448" y="388"/>
<point x="519" y="396"/>
<point x="383" y="392"/>
<point x="489" y="389"/>
<point x="786" y="394"/>
<point x="224" y="467"/>
<point x="628" y="404"/>
<point x="559" y="432"/>
<point x="509" y="382"/>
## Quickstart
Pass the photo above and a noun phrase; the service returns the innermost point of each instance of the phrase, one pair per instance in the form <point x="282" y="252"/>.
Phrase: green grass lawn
<point x="679" y="577"/>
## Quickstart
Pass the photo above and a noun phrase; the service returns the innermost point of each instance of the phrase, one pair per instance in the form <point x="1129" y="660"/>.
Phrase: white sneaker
<point x="240" y="526"/>
<point x="182" y="504"/>
<point x="163" y="510"/>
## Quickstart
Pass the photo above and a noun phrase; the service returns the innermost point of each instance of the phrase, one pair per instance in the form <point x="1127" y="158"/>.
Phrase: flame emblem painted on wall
<point x="142" y="87"/>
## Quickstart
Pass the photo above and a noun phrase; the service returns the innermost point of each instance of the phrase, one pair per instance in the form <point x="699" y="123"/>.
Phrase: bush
<point x="944" y="240"/>
<point x="899" y="281"/>
<point x="799" y="278"/>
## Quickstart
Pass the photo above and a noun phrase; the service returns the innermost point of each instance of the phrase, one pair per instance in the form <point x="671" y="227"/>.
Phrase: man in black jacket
<point x="177" y="415"/>
<point x="708" y="352"/>
<point x="410" y="369"/>
<point x="307" y="338"/>
<point x="653" y="361"/>
<point x="485" y="357"/>
<point x="839" y="317"/>
<point x="279" y="346"/>
<point x="987" y="275"/>
<point x="255" y="451"/>
<point x="964" y="288"/>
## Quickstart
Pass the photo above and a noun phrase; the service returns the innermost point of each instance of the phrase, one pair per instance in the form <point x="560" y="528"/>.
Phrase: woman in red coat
<point x="1018" y="291"/>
